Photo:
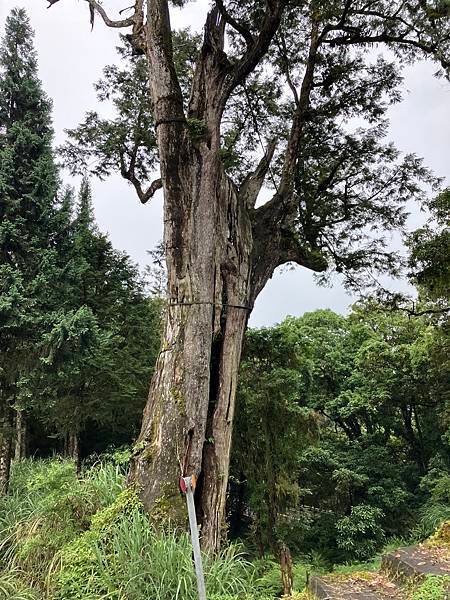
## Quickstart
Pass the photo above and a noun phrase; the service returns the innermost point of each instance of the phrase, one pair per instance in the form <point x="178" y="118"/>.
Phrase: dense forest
<point x="341" y="440"/>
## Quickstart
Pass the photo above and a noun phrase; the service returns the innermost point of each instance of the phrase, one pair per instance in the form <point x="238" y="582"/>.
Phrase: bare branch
<point x="150" y="191"/>
<point x="143" y="195"/>
<point x="129" y="174"/>
<point x="239" y="27"/>
<point x="95" y="6"/>
<point x="121" y="23"/>
<point x="253" y="183"/>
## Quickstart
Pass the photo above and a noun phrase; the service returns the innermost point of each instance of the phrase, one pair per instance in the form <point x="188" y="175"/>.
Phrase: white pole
<point x="188" y="489"/>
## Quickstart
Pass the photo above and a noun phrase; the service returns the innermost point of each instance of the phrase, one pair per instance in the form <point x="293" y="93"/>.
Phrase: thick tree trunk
<point x="20" y="445"/>
<point x="6" y="446"/>
<point x="187" y="423"/>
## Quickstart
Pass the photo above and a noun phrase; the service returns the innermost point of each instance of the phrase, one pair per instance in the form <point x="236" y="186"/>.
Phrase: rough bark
<point x="187" y="422"/>
<point x="287" y="576"/>
<point x="215" y="272"/>
<point x="6" y="445"/>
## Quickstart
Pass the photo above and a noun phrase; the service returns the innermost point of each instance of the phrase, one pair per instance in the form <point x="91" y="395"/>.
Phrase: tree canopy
<point x="308" y="83"/>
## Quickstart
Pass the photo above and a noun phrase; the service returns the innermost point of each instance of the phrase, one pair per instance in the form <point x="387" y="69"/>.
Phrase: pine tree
<point x="28" y="184"/>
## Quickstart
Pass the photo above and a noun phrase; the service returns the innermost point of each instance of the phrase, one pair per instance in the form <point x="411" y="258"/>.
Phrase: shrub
<point x="360" y="534"/>
<point x="433" y="588"/>
<point x="122" y="556"/>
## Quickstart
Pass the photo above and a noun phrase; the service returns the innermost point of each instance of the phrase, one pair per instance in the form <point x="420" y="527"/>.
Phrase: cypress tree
<point x="28" y="206"/>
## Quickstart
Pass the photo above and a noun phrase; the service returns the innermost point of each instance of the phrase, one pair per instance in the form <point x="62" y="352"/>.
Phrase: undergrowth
<point x="87" y="538"/>
<point x="12" y="587"/>
<point x="64" y="537"/>
<point x="433" y="588"/>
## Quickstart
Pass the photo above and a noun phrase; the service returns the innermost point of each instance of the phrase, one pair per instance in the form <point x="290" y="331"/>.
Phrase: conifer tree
<point x="100" y="347"/>
<point x="28" y="184"/>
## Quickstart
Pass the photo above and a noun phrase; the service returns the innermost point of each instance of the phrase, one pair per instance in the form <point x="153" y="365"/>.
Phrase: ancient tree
<point x="269" y="99"/>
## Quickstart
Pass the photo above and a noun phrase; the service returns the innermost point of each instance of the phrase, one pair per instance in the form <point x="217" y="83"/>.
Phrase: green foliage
<point x="28" y="212"/>
<point x="77" y="561"/>
<point x="272" y="429"/>
<point x="98" y="351"/>
<point x="197" y="129"/>
<point x="430" y="249"/>
<point x="133" y="560"/>
<point x="350" y="187"/>
<point x="49" y="506"/>
<point x="357" y="423"/>
<point x="433" y="588"/>
<point x="79" y="336"/>
<point x="87" y="538"/>
<point x="360" y="534"/>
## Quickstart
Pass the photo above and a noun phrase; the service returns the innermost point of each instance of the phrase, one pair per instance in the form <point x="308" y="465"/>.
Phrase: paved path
<point x="402" y="565"/>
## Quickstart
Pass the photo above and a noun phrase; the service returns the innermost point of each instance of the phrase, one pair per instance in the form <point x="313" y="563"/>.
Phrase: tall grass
<point x="132" y="560"/>
<point x="11" y="587"/>
<point x="70" y="538"/>
<point x="431" y="516"/>
<point x="47" y="508"/>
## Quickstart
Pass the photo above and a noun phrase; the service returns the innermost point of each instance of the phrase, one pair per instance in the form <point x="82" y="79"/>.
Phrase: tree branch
<point x="269" y="27"/>
<point x="130" y="175"/>
<point x="384" y="37"/>
<point x="290" y="159"/>
<point x="236" y="25"/>
<point x="106" y="19"/>
<point x="252" y="184"/>
<point x="276" y="242"/>
<point x="281" y="42"/>
<point x="143" y="195"/>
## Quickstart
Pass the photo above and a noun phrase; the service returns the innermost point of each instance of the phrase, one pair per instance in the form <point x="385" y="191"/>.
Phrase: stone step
<point x="416" y="562"/>
<point x="357" y="586"/>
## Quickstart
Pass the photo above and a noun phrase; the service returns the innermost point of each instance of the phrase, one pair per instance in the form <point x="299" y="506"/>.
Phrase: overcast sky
<point x="71" y="59"/>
